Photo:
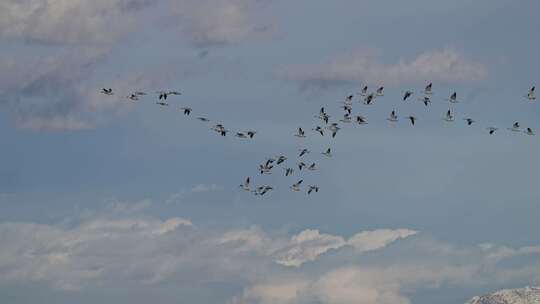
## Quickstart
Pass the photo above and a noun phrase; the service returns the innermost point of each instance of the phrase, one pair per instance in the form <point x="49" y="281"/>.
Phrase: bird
<point x="281" y="159"/>
<point x="469" y="121"/>
<point x="347" y="108"/>
<point x="427" y="90"/>
<point x="327" y="153"/>
<point x="296" y="186"/>
<point x="529" y="131"/>
<point x="412" y="119"/>
<point x="515" y="127"/>
<point x="312" y="188"/>
<point x="162" y="103"/>
<point x="349" y="98"/>
<point x="288" y="171"/>
<point x="219" y="128"/>
<point x="492" y="130"/>
<point x="108" y="91"/>
<point x="322" y="115"/>
<point x="251" y="133"/>
<point x="530" y="95"/>
<point x="380" y="91"/>
<point x="393" y="117"/>
<point x="139" y="93"/>
<point x="240" y="135"/>
<point x="301" y="165"/>
<point x="449" y="116"/>
<point x="426" y="100"/>
<point x="319" y="129"/>
<point x="312" y="167"/>
<point x="133" y="97"/>
<point x="346" y="118"/>
<point x="262" y="190"/>
<point x="369" y="99"/>
<point x="303" y="152"/>
<point x="363" y="92"/>
<point x="266" y="168"/>
<point x="453" y="98"/>
<point x="186" y="110"/>
<point x="203" y="119"/>
<point x="334" y="129"/>
<point x="361" y="120"/>
<point x="407" y="94"/>
<point x="245" y="185"/>
<point x="300" y="133"/>
<point x="163" y="94"/>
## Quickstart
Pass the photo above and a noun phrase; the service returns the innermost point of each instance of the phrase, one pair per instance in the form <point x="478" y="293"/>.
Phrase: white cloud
<point x="68" y="21"/>
<point x="143" y="252"/>
<point x="210" y="23"/>
<point x="207" y="188"/>
<point x="309" y="244"/>
<point x="373" y="240"/>
<point x="362" y="67"/>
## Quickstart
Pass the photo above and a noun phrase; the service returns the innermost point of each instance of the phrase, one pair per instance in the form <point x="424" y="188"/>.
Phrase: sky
<point x="111" y="201"/>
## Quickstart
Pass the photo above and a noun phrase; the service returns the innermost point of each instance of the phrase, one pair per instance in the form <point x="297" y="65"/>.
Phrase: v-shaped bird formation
<point x="328" y="128"/>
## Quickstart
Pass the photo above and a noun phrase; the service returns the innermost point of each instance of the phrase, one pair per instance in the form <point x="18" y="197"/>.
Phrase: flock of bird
<point x="332" y="128"/>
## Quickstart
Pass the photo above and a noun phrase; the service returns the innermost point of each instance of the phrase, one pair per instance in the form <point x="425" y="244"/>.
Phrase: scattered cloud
<point x="210" y="23"/>
<point x="310" y="244"/>
<point x="76" y="22"/>
<point x="207" y="188"/>
<point x="143" y="251"/>
<point x="446" y="65"/>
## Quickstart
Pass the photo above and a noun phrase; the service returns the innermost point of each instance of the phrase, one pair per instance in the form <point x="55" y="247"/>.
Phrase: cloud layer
<point x="362" y="67"/>
<point x="127" y="251"/>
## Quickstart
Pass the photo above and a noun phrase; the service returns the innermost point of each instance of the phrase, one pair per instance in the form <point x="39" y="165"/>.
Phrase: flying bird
<point x="363" y="92"/>
<point x="449" y="116"/>
<point x="300" y="133"/>
<point x="301" y="165"/>
<point x="319" y="129"/>
<point x="412" y="119"/>
<point x="492" y="130"/>
<point x="427" y="90"/>
<point x="407" y="95"/>
<point x="288" y="171"/>
<point x="281" y="159"/>
<point x="327" y="153"/>
<point x="108" y="91"/>
<point x="529" y="131"/>
<point x="163" y="94"/>
<point x="530" y="95"/>
<point x="346" y="118"/>
<point x="380" y="91"/>
<point x="203" y="119"/>
<point x="426" y="100"/>
<point x="393" y="117"/>
<point x="312" y="188"/>
<point x="334" y="129"/>
<point x="469" y="121"/>
<point x="515" y="127"/>
<point x="162" y="103"/>
<point x="186" y="110"/>
<point x="453" y="98"/>
<point x="296" y="186"/>
<point x="133" y="97"/>
<point x="240" y="135"/>
<point x="361" y="120"/>
<point x="312" y="167"/>
<point x="369" y="99"/>
<point x="245" y="185"/>
<point x="303" y="152"/>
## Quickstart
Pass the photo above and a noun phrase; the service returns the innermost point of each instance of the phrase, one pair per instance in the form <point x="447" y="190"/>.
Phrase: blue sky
<point x="106" y="200"/>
